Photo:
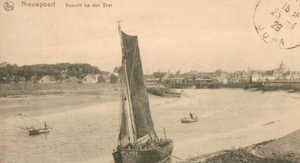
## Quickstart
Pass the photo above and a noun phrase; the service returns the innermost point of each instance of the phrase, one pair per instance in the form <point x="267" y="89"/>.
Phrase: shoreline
<point x="69" y="96"/>
<point x="285" y="149"/>
<point x="259" y="152"/>
<point x="76" y="96"/>
<point x="15" y="90"/>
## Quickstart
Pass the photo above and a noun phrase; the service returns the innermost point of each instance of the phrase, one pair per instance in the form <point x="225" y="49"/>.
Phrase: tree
<point x="12" y="72"/>
<point x="158" y="75"/>
<point x="113" y="79"/>
<point x="101" y="79"/>
<point x="117" y="69"/>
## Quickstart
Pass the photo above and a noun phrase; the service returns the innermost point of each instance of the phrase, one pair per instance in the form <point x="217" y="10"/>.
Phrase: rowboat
<point x="171" y="93"/>
<point x="39" y="131"/>
<point x="189" y="120"/>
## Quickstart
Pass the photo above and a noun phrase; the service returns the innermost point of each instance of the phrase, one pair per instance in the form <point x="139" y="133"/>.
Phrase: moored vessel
<point x="137" y="140"/>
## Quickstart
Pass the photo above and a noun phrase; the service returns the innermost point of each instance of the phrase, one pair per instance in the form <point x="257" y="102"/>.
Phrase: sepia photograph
<point x="154" y="81"/>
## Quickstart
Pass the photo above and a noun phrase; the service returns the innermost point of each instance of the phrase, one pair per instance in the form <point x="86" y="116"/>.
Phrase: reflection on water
<point x="226" y="118"/>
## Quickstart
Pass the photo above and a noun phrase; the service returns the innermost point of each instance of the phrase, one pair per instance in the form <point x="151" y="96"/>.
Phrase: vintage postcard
<point x="153" y="81"/>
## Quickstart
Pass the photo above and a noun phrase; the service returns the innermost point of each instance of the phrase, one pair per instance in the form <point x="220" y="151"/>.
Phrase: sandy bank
<point x="39" y="99"/>
<point x="283" y="150"/>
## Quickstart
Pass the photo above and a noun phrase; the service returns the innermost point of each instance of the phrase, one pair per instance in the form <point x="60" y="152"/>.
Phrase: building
<point x="258" y="76"/>
<point x="90" y="79"/>
<point x="239" y="76"/>
<point x="47" y="79"/>
<point x="72" y="80"/>
<point x="276" y="74"/>
<point x="152" y="80"/>
<point x="291" y="75"/>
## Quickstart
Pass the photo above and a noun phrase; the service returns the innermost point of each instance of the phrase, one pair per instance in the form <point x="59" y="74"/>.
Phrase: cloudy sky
<point x="185" y="35"/>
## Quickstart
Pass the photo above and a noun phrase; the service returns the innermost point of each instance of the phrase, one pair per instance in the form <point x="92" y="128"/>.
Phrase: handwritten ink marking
<point x="295" y="14"/>
<point x="276" y="13"/>
<point x="274" y="40"/>
<point x="276" y="23"/>
<point x="277" y="26"/>
<point x="265" y="35"/>
<point x="260" y="29"/>
<point x="281" y="42"/>
<point x="286" y="7"/>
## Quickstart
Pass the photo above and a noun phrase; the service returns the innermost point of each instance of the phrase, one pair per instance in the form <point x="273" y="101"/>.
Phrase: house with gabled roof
<point x="71" y="80"/>
<point x="47" y="79"/>
<point x="89" y="78"/>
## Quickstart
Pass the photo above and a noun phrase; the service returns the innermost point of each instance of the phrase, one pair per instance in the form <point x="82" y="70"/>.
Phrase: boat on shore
<point x="189" y="120"/>
<point x="137" y="139"/>
<point x="171" y="93"/>
<point x="38" y="131"/>
<point x="164" y="92"/>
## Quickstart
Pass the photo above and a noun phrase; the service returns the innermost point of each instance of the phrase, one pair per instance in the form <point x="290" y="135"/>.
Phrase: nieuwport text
<point x="38" y="4"/>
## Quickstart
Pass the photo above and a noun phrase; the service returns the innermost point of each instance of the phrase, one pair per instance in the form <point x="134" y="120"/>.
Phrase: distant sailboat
<point x="137" y="141"/>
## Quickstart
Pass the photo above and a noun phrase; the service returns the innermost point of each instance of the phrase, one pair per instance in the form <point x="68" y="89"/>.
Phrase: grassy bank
<point x="14" y="89"/>
<point x="234" y="156"/>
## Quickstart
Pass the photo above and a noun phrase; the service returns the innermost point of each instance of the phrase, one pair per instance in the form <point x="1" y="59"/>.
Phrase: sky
<point x="186" y="35"/>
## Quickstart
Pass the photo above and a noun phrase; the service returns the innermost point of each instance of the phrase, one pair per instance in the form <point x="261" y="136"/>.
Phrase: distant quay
<point x="38" y="4"/>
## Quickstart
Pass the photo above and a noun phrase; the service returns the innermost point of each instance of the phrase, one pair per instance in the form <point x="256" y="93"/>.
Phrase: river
<point x="228" y="118"/>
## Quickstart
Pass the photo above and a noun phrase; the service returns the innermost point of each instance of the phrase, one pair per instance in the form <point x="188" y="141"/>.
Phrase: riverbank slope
<point x="282" y="150"/>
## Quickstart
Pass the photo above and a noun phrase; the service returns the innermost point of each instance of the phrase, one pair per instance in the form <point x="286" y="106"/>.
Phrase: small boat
<point x="32" y="124"/>
<point x="137" y="139"/>
<point x="34" y="131"/>
<point x="171" y="93"/>
<point x="189" y="120"/>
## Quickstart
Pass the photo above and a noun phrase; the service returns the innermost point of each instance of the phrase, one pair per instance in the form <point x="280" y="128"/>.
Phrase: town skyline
<point x="207" y="36"/>
<point x="4" y="64"/>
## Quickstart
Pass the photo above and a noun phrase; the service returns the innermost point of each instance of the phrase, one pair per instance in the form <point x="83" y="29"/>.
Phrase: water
<point x="227" y="118"/>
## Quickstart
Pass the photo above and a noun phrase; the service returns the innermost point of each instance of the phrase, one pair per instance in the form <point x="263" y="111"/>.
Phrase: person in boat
<point x="46" y="126"/>
<point x="191" y="115"/>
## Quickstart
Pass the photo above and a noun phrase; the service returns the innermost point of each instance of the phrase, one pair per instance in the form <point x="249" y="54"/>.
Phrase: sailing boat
<point x="137" y="141"/>
<point x="32" y="127"/>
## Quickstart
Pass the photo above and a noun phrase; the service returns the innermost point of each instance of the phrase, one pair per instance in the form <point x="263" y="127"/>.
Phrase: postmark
<point x="8" y="6"/>
<point x="278" y="22"/>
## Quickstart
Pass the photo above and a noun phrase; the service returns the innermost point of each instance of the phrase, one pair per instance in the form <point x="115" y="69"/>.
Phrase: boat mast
<point x="124" y="66"/>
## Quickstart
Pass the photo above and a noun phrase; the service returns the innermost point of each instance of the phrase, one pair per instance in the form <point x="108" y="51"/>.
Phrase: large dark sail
<point x="143" y="146"/>
<point x="139" y="99"/>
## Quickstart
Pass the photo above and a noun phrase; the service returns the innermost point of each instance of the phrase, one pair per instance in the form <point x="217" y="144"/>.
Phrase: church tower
<point x="282" y="67"/>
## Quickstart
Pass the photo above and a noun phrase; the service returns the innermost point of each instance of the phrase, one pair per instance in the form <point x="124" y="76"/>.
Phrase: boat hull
<point x="152" y="155"/>
<point x="188" y="120"/>
<point x="39" y="131"/>
<point x="171" y="94"/>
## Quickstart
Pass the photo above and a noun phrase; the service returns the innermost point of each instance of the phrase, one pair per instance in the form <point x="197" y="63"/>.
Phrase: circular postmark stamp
<point x="8" y="6"/>
<point x="277" y="22"/>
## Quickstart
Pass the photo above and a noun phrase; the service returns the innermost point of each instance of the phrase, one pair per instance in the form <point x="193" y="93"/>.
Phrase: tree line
<point x="60" y="71"/>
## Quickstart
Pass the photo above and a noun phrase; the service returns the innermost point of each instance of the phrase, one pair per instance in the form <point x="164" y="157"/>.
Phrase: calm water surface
<point x="227" y="118"/>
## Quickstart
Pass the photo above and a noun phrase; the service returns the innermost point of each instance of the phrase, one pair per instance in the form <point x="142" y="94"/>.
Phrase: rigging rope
<point x="31" y="119"/>
<point x="27" y="123"/>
